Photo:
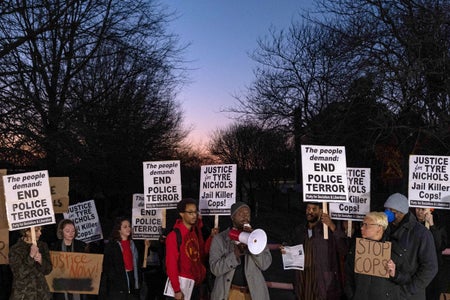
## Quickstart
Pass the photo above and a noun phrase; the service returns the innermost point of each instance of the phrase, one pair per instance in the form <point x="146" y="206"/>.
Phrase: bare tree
<point x="96" y="65"/>
<point x="263" y="156"/>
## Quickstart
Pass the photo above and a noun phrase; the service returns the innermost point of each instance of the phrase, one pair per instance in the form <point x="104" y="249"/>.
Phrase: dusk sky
<point x="222" y="34"/>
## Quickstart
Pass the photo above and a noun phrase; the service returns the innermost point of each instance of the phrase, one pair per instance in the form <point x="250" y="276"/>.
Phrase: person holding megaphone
<point x="237" y="257"/>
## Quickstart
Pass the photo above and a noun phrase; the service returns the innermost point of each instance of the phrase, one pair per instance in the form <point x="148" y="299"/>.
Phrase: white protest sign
<point x="429" y="184"/>
<point x="358" y="196"/>
<point x="28" y="200"/>
<point x="145" y="223"/>
<point x="85" y="217"/>
<point x="217" y="189"/>
<point x="324" y="170"/>
<point x="162" y="184"/>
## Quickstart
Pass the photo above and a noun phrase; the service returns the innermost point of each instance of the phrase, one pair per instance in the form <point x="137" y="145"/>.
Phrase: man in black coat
<point x="416" y="244"/>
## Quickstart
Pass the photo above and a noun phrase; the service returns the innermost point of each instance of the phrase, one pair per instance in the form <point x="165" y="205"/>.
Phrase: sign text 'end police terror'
<point x="160" y="192"/>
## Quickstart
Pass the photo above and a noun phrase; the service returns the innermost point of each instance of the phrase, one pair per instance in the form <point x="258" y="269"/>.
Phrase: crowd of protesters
<point x="222" y="268"/>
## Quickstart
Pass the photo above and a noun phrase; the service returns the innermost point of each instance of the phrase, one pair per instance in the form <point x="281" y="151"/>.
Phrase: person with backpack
<point x="185" y="249"/>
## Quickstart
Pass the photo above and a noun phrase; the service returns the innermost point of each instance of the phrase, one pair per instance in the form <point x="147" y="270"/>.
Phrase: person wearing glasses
<point x="416" y="245"/>
<point x="185" y="249"/>
<point x="363" y="286"/>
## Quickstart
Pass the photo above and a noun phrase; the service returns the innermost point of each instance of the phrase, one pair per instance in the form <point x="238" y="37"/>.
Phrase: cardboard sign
<point x="87" y="223"/>
<point x="358" y="196"/>
<point x="59" y="188"/>
<point x="371" y="257"/>
<point x="145" y="223"/>
<point x="428" y="183"/>
<point x="28" y="200"/>
<point x="74" y="272"/>
<point x="162" y="184"/>
<point x="324" y="170"/>
<point x="3" y="217"/>
<point x="4" y="246"/>
<point x="217" y="189"/>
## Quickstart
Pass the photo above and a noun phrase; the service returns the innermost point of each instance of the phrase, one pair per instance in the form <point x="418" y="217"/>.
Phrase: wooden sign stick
<point x="325" y="227"/>
<point x="33" y="235"/>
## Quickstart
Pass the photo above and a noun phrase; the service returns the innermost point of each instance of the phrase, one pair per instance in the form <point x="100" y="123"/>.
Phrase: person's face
<point x="420" y="213"/>
<point x="371" y="230"/>
<point x="241" y="217"/>
<point x="37" y="230"/>
<point x="398" y="216"/>
<point x="125" y="229"/>
<point x="313" y="213"/>
<point x="190" y="214"/>
<point x="68" y="232"/>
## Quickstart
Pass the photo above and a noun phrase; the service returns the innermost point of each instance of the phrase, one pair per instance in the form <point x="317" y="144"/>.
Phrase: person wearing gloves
<point x="238" y="272"/>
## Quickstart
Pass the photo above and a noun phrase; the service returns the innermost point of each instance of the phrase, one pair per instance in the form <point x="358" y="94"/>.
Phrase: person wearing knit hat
<point x="236" y="206"/>
<point x="238" y="272"/>
<point x="405" y="232"/>
<point x="398" y="205"/>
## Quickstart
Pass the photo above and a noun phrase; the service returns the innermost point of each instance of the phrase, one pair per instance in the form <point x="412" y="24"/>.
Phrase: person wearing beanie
<point x="238" y="272"/>
<point x="413" y="241"/>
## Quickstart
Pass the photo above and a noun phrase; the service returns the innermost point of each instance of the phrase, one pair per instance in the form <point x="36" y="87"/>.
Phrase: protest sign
<point x="162" y="184"/>
<point x="145" y="223"/>
<point x="4" y="246"/>
<point x="358" y="196"/>
<point x="324" y="170"/>
<point x="293" y="257"/>
<point x="75" y="272"/>
<point x="85" y="217"/>
<point x="429" y="184"/>
<point x="217" y="189"/>
<point x="3" y="218"/>
<point x="371" y="257"/>
<point x="59" y="188"/>
<point x="28" y="200"/>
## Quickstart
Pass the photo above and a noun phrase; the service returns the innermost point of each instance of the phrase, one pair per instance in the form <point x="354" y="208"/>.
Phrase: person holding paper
<point x="238" y="272"/>
<point x="120" y="276"/>
<point x="418" y="248"/>
<point x="363" y="286"/>
<point x="186" y="259"/>
<point x="321" y="277"/>
<point x="66" y="233"/>
<point x="29" y="264"/>
<point x="427" y="218"/>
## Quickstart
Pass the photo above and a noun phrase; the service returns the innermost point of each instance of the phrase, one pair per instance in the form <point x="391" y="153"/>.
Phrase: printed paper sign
<point x="162" y="184"/>
<point x="74" y="272"/>
<point x="87" y="223"/>
<point x="4" y="246"/>
<point x="146" y="223"/>
<point x="28" y="200"/>
<point x="358" y="196"/>
<point x="217" y="189"/>
<point x="293" y="258"/>
<point x="429" y="184"/>
<point x="324" y="170"/>
<point x="59" y="188"/>
<point x="371" y="257"/>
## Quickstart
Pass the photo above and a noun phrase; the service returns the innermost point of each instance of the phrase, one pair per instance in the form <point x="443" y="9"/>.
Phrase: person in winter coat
<point x="415" y="244"/>
<point x="29" y="264"/>
<point x="369" y="287"/>
<point x="238" y="272"/>
<point x="66" y="233"/>
<point x="431" y="221"/>
<point x="120" y="276"/>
